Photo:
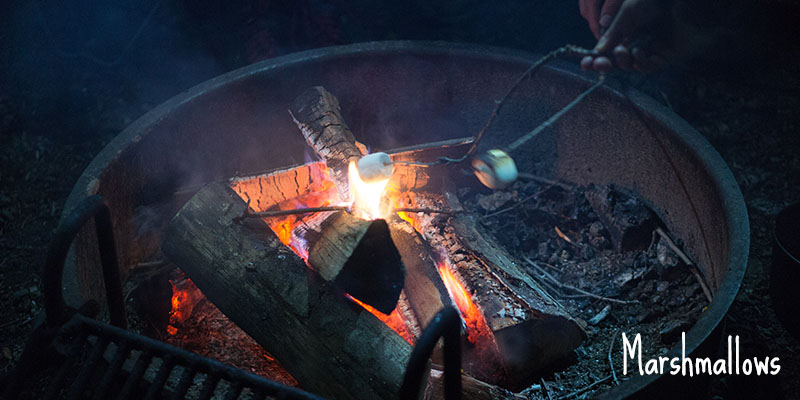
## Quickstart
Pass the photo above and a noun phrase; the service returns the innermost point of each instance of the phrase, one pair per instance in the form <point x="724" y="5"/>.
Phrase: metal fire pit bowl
<point x="396" y="94"/>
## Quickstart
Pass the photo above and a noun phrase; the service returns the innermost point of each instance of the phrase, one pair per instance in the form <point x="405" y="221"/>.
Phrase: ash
<point x="554" y="230"/>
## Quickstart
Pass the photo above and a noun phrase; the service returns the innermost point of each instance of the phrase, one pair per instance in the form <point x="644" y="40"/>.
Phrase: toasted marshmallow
<point x="375" y="167"/>
<point x="495" y="169"/>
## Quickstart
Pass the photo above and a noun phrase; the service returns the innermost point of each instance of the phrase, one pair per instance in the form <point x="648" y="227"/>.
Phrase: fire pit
<point x="402" y="94"/>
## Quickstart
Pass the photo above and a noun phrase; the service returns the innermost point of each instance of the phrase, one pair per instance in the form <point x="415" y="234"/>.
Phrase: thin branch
<point x="568" y="50"/>
<point x="546" y="181"/>
<point x="573" y="288"/>
<point x="555" y="117"/>
<point x="424" y="210"/>
<point x="584" y="389"/>
<point x="283" y="213"/>
<point x="692" y="267"/>
<point x="610" y="362"/>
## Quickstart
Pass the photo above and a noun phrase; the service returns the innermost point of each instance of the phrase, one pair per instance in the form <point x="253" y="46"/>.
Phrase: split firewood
<point x="330" y="345"/>
<point x="629" y="222"/>
<point x="318" y="115"/>
<point x="424" y="288"/>
<point x="359" y="257"/>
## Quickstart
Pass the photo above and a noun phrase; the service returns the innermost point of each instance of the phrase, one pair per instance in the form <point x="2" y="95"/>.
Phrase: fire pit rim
<point x="735" y="213"/>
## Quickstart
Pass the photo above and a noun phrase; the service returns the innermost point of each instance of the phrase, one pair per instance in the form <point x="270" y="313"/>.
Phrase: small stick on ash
<point x="687" y="261"/>
<point x="546" y="389"/>
<point x="584" y="389"/>
<point x="610" y="361"/>
<point x="546" y="181"/>
<point x="424" y="210"/>
<point x="573" y="288"/>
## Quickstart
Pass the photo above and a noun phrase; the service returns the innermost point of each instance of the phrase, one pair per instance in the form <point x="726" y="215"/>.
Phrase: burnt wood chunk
<point x="318" y="115"/>
<point x="332" y="346"/>
<point x="629" y="222"/>
<point x="424" y="289"/>
<point x="360" y="257"/>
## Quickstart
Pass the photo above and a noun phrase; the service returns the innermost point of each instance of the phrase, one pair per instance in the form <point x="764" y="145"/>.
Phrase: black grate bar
<point x="234" y="391"/>
<point x="99" y="348"/>
<point x="209" y="385"/>
<point x="145" y="357"/>
<point x="194" y="361"/>
<point x="187" y="378"/>
<point x="75" y="349"/>
<point x="112" y="372"/>
<point x="154" y="391"/>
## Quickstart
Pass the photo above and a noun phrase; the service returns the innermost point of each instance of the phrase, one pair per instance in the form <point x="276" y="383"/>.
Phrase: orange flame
<point x="393" y="320"/>
<point x="477" y="329"/>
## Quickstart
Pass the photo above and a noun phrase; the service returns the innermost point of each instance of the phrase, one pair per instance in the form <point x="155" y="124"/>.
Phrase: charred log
<point x="318" y="115"/>
<point x="628" y="221"/>
<point x="330" y="345"/>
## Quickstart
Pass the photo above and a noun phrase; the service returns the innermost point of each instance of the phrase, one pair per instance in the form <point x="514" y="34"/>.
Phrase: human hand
<point x="630" y="22"/>
<point x="599" y="14"/>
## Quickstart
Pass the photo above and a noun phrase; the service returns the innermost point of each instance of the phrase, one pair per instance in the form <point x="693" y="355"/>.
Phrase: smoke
<point x="91" y="68"/>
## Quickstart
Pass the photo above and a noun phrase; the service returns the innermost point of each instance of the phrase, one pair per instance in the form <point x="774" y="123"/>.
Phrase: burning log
<point x="513" y="327"/>
<point x="330" y="345"/>
<point x="531" y="329"/>
<point x="471" y="388"/>
<point x="318" y="115"/>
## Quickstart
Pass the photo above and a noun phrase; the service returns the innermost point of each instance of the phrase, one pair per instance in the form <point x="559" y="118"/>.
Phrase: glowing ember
<point x="185" y="295"/>
<point x="393" y="320"/>
<point x="478" y="331"/>
<point x="366" y="197"/>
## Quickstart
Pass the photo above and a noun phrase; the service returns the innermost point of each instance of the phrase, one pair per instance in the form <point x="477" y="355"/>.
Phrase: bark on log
<point x="330" y="345"/>
<point x="318" y="115"/>
<point x="360" y="258"/>
<point x="471" y="388"/>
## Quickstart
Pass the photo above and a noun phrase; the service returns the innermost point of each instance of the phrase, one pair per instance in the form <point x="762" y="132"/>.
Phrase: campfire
<point x="367" y="246"/>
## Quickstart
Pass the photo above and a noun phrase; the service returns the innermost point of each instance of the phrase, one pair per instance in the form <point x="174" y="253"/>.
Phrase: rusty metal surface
<point x="404" y="93"/>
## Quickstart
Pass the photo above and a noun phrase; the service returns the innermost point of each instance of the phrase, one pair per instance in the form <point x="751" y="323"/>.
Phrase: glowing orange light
<point x="393" y="320"/>
<point x="477" y="329"/>
<point x="366" y="197"/>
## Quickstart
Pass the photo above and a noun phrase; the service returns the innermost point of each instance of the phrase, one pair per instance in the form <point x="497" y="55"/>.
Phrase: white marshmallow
<point x="495" y="169"/>
<point x="375" y="167"/>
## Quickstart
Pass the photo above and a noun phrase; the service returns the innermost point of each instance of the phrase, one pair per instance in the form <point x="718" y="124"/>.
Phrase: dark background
<point x="75" y="73"/>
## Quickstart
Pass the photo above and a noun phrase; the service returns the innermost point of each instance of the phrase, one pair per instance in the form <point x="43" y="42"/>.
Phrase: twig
<point x="507" y="209"/>
<point x="687" y="261"/>
<point x="586" y="388"/>
<point x="546" y="389"/>
<point x="573" y="288"/>
<point x="555" y="117"/>
<point x="546" y="181"/>
<point x="563" y="236"/>
<point x="424" y="210"/>
<point x="610" y="362"/>
<point x="283" y="213"/>
<point x="568" y="50"/>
